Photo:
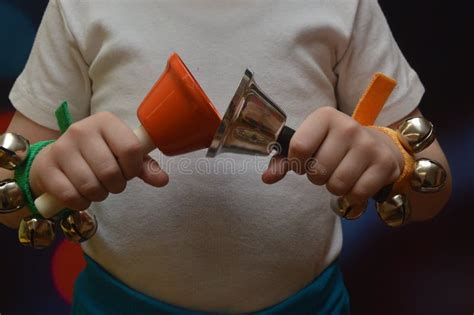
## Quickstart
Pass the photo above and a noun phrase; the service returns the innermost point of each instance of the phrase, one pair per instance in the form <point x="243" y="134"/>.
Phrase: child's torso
<point x="215" y="238"/>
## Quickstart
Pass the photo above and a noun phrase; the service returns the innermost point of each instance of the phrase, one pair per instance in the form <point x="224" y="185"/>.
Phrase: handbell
<point x="253" y="124"/>
<point x="13" y="150"/>
<point x="343" y="208"/>
<point x="11" y="196"/>
<point x="37" y="233"/>
<point x="176" y="116"/>
<point x="429" y="176"/>
<point x="416" y="134"/>
<point x="79" y="226"/>
<point x="395" y="211"/>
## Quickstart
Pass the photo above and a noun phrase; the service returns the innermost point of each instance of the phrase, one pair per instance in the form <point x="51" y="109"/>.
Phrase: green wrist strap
<point x="63" y="117"/>
<point x="22" y="173"/>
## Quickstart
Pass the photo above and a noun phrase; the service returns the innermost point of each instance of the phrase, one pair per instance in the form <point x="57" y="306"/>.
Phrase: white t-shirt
<point x="216" y="238"/>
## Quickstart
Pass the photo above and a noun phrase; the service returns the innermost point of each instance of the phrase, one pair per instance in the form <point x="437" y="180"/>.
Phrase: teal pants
<point x="97" y="292"/>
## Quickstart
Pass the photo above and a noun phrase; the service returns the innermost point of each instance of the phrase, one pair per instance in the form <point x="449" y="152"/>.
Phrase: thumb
<point x="276" y="170"/>
<point x="152" y="173"/>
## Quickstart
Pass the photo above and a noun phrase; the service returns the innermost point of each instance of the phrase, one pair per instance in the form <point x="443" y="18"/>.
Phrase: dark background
<point x="424" y="268"/>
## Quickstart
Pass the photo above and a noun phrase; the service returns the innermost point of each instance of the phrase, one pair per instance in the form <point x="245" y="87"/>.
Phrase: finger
<point x="327" y="158"/>
<point x="152" y="173"/>
<point x="348" y="172"/>
<point x="59" y="186"/>
<point x="371" y="181"/>
<point x="103" y="164"/>
<point x="125" y="146"/>
<point x="306" y="141"/>
<point x="82" y="177"/>
<point x="276" y="171"/>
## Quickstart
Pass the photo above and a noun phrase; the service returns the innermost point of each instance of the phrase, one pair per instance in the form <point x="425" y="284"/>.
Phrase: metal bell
<point x="79" y="226"/>
<point x="416" y="134"/>
<point x="428" y="176"/>
<point x="37" y="233"/>
<point x="11" y="196"/>
<point x="395" y="211"/>
<point x="344" y="209"/>
<point x="252" y="123"/>
<point x="13" y="150"/>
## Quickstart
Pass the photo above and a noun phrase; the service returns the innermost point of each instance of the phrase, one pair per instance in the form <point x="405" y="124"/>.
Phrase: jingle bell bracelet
<point x="17" y="154"/>
<point x="411" y="137"/>
<point x="421" y="175"/>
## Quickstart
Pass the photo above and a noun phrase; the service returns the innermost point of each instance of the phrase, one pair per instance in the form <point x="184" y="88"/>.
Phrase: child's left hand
<point x="332" y="149"/>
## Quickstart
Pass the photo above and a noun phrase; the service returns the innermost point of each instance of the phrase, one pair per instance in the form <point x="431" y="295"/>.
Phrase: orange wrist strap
<point x="408" y="161"/>
<point x="366" y="112"/>
<point x="372" y="101"/>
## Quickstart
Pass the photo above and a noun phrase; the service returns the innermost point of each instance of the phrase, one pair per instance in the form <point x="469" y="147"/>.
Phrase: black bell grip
<point x="284" y="140"/>
<point x="284" y="144"/>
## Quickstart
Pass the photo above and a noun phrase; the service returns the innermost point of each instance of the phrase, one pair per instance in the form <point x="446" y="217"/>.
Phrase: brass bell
<point x="37" y="233"/>
<point x="253" y="123"/>
<point x="79" y="226"/>
<point x="416" y="134"/>
<point x="13" y="150"/>
<point x="11" y="196"/>
<point x="395" y="211"/>
<point x="428" y="176"/>
<point x="344" y="209"/>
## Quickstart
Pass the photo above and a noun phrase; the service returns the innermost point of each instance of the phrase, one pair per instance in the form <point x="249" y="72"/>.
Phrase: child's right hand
<point x="94" y="157"/>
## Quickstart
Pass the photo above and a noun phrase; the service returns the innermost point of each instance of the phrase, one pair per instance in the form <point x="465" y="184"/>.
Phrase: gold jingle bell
<point x="11" y="196"/>
<point x="13" y="150"/>
<point x="395" y="211"/>
<point x="37" y="233"/>
<point x="79" y="226"/>
<point x="344" y="209"/>
<point x="429" y="176"/>
<point x="416" y="134"/>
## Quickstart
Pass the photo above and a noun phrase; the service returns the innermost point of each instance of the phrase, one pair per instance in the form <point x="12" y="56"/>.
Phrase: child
<point x="213" y="240"/>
